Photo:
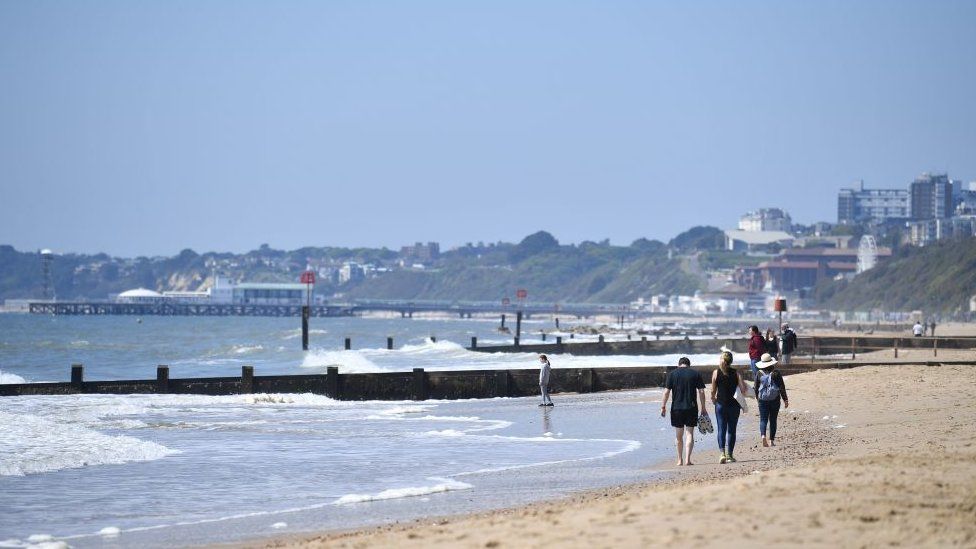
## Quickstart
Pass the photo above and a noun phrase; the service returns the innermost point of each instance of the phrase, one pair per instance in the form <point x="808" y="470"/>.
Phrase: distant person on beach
<point x="544" y="374"/>
<point x="683" y="383"/>
<point x="757" y="346"/>
<point x="918" y="329"/>
<point x="769" y="390"/>
<point x="772" y="342"/>
<point x="788" y="343"/>
<point x="725" y="380"/>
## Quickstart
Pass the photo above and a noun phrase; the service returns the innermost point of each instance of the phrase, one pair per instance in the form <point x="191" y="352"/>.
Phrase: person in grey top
<point x="544" y="373"/>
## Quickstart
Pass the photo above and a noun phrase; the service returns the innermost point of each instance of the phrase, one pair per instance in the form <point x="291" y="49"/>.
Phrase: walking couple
<point x="684" y="384"/>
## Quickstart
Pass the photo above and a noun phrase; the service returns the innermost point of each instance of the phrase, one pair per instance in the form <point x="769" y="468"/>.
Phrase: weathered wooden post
<point x="586" y="380"/>
<point x="896" y="347"/>
<point x="543" y="336"/>
<point x="247" y="380"/>
<point x="517" y="342"/>
<point x="853" y="350"/>
<point x="308" y="279"/>
<point x="503" y="320"/>
<point x="935" y="347"/>
<point x="389" y="344"/>
<point x="305" y="313"/>
<point x="518" y="325"/>
<point x="559" y="344"/>
<point x="78" y="376"/>
<point x="332" y="382"/>
<point x="601" y="339"/>
<point x="419" y="384"/>
<point x="348" y="343"/>
<point x="162" y="379"/>
<point x="474" y="342"/>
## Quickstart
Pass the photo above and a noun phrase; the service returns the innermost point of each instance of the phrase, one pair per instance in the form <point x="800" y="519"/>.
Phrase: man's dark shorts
<point x="684" y="418"/>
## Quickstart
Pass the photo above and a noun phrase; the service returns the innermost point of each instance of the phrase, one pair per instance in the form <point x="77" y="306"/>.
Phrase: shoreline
<point x="839" y="480"/>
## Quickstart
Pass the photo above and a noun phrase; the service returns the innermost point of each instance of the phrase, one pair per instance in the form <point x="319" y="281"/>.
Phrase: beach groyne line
<point x="413" y="385"/>
<point x="811" y="346"/>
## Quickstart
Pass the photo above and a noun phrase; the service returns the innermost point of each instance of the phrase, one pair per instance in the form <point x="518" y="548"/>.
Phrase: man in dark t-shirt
<point x="681" y="387"/>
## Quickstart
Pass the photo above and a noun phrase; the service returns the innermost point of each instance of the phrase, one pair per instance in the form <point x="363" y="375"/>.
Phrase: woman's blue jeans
<point x="727" y="417"/>
<point x="768" y="412"/>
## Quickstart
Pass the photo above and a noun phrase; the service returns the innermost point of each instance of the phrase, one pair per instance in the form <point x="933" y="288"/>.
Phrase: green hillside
<point x="937" y="278"/>
<point x="550" y="271"/>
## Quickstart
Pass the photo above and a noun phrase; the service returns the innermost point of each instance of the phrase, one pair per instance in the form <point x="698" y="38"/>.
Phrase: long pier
<point x="464" y="309"/>
<point x="74" y="308"/>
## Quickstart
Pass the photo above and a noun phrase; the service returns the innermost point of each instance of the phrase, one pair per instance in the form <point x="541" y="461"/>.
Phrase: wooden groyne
<point x="413" y="385"/>
<point x="807" y="346"/>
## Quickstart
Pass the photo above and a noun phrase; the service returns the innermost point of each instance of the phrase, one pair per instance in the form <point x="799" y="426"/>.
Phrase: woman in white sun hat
<point x="769" y="388"/>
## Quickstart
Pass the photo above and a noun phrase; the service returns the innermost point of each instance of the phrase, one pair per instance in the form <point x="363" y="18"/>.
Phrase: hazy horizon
<point x="146" y="128"/>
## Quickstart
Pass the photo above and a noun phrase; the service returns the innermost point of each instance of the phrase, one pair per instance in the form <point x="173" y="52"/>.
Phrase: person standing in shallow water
<point x="725" y="380"/>
<point x="545" y="371"/>
<point x="683" y="383"/>
<point x="769" y="388"/>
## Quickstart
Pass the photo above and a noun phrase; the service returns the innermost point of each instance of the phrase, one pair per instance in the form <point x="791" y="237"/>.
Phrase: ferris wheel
<point x="867" y="253"/>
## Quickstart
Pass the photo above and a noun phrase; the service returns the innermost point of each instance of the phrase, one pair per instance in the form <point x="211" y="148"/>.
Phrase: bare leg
<point x="689" y="443"/>
<point x="679" y="443"/>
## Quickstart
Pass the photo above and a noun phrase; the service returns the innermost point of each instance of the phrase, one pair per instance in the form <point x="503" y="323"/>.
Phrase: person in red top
<point x="757" y="346"/>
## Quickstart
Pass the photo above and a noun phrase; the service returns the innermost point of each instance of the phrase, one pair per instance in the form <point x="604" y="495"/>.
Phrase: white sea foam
<point x="349" y="362"/>
<point x="32" y="444"/>
<point x="443" y="485"/>
<point x="246" y="349"/>
<point x="279" y="525"/>
<point x="11" y="378"/>
<point x="109" y="531"/>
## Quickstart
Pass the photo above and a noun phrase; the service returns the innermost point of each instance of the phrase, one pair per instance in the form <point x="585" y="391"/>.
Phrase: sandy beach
<point x="866" y="457"/>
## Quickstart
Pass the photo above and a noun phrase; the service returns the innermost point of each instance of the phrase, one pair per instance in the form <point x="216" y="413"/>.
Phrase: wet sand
<point x="896" y="466"/>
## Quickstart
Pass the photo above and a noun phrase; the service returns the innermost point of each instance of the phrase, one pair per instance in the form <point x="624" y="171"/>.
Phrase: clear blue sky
<point x="147" y="127"/>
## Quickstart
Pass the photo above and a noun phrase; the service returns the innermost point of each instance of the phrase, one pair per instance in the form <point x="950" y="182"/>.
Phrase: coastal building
<point x="931" y="197"/>
<point x="140" y="295"/>
<point x="223" y="292"/>
<point x="932" y="230"/>
<point x="801" y="268"/>
<point x="860" y="205"/>
<point x="351" y="272"/>
<point x="421" y="253"/>
<point x="269" y="293"/>
<point x="766" y="219"/>
<point x="756" y="241"/>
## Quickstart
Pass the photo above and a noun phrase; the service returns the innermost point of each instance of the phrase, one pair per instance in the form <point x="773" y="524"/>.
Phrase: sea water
<point x="163" y="470"/>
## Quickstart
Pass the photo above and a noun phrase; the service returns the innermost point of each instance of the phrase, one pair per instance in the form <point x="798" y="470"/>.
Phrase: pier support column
<point x="332" y="382"/>
<point x="389" y="344"/>
<point x="162" y="379"/>
<point x="305" y="313"/>
<point x="474" y="342"/>
<point x="78" y="376"/>
<point x="419" y="384"/>
<point x="517" y="343"/>
<point x="348" y="343"/>
<point x="247" y="380"/>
